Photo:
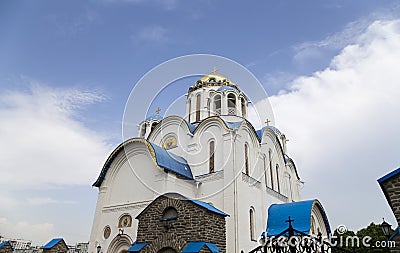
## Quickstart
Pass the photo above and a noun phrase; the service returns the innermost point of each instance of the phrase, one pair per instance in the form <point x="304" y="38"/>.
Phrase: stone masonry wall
<point x="392" y="188"/>
<point x="58" y="248"/>
<point x="194" y="223"/>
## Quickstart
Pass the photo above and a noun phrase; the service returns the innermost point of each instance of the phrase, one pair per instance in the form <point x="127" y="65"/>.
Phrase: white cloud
<point x="343" y="125"/>
<point x="42" y="142"/>
<point x="23" y="230"/>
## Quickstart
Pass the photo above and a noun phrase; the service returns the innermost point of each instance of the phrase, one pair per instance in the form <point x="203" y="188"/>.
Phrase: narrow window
<point x="277" y="177"/>
<point x="252" y="225"/>
<point x="143" y="130"/>
<point x="243" y="108"/>
<point x="198" y="108"/>
<point x="246" y="158"/>
<point x="265" y="171"/>
<point x="153" y="125"/>
<point x="231" y="104"/>
<point x="270" y="169"/>
<point x="212" y="153"/>
<point x="189" y="110"/>
<point x="217" y="104"/>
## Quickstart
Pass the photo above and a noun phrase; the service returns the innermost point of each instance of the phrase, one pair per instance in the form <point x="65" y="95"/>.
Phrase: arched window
<point x="243" y="107"/>
<point x="153" y="125"/>
<point x="169" y="213"/>
<point x="252" y="224"/>
<point x="143" y="130"/>
<point x="270" y="169"/>
<point x="277" y="177"/>
<point x="212" y="153"/>
<point x="198" y="107"/>
<point x="246" y="158"/>
<point x="217" y="104"/>
<point x="189" y="109"/>
<point x="231" y="104"/>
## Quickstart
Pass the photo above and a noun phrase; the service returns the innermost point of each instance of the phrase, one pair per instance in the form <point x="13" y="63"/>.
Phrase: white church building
<point x="214" y="157"/>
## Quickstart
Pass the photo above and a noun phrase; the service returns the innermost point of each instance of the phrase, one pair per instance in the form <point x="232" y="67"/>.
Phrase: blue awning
<point x="194" y="247"/>
<point x="137" y="247"/>
<point x="300" y="212"/>
<point x="3" y="244"/>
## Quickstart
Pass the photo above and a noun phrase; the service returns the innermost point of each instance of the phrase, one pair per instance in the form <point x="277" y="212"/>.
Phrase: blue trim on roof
<point x="172" y="162"/>
<point x="137" y="246"/>
<point x="208" y="207"/>
<point x="154" y="117"/>
<point x="194" y="247"/>
<point x="389" y="176"/>
<point x="396" y="232"/>
<point x="300" y="212"/>
<point x="3" y="243"/>
<point x="52" y="243"/>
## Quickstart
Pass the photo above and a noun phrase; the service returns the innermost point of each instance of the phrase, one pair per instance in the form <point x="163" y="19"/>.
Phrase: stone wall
<point x="392" y="189"/>
<point x="193" y="223"/>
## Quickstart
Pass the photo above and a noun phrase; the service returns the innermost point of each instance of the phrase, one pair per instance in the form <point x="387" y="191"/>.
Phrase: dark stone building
<point x="174" y="223"/>
<point x="390" y="185"/>
<point x="56" y="245"/>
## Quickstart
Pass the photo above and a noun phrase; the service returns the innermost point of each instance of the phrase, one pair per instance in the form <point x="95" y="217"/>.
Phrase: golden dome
<point x="214" y="78"/>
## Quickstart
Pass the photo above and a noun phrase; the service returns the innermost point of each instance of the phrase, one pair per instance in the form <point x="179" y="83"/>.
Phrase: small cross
<point x="267" y="122"/>
<point x="158" y="111"/>
<point x="290" y="221"/>
<point x="214" y="70"/>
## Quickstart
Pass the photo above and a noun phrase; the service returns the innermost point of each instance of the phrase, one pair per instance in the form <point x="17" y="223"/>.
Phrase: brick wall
<point x="194" y="223"/>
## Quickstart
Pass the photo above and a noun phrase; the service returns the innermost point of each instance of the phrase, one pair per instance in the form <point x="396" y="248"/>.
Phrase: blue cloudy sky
<point x="67" y="68"/>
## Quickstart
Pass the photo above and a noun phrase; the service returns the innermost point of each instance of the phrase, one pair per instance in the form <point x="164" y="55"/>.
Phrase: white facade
<point x="247" y="171"/>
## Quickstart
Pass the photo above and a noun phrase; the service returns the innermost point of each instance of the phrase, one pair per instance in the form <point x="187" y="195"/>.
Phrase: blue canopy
<point x="299" y="212"/>
<point x="3" y="243"/>
<point x="137" y="247"/>
<point x="194" y="247"/>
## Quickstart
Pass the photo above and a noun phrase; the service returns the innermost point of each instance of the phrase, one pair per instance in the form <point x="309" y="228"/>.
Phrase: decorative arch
<point x="120" y="244"/>
<point x="243" y="105"/>
<point x="246" y="159"/>
<point x="217" y="104"/>
<point x="211" y="161"/>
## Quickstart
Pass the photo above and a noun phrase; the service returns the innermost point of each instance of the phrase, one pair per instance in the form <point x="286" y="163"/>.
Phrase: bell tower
<point x="214" y="95"/>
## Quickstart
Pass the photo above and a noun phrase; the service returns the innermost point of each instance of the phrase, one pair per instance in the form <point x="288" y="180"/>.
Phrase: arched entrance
<point x="119" y="244"/>
<point x="167" y="250"/>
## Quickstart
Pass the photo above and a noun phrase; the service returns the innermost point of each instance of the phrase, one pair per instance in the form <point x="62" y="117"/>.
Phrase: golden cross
<point x="158" y="111"/>
<point x="267" y="122"/>
<point x="214" y="70"/>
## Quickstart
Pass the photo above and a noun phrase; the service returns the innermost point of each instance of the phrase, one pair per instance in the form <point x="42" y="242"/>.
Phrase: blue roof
<point x="389" y="176"/>
<point x="154" y="117"/>
<point x="3" y="243"/>
<point x="194" y="247"/>
<point x="300" y="212"/>
<point x="226" y="88"/>
<point x="171" y="162"/>
<point x="52" y="243"/>
<point x="137" y="247"/>
<point x="191" y="126"/>
<point x="208" y="207"/>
